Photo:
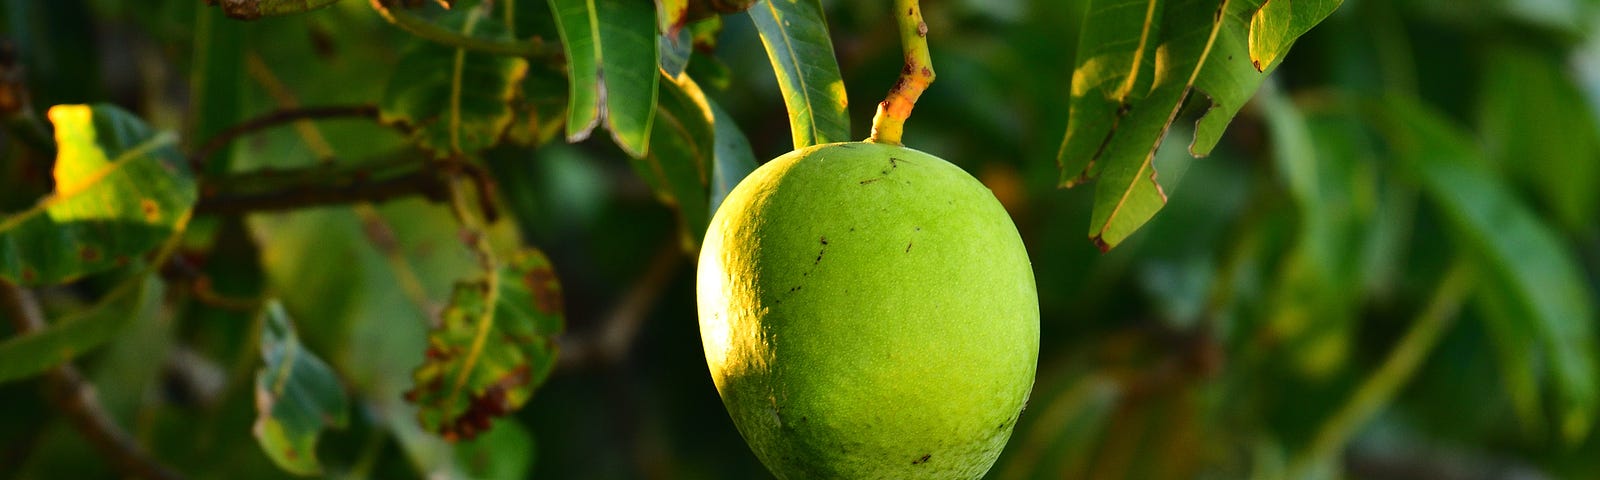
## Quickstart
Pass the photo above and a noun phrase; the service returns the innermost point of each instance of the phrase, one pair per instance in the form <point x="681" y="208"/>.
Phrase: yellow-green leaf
<point x="494" y="346"/>
<point x="121" y="190"/>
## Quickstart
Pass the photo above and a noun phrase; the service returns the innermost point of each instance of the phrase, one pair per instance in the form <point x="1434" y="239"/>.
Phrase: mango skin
<point x="868" y="311"/>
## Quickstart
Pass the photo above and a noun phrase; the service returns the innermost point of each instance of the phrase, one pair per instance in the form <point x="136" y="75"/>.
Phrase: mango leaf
<point x="1532" y="108"/>
<point x="795" y="35"/>
<point x="1275" y="26"/>
<point x="454" y="100"/>
<point x="81" y="332"/>
<point x="611" y="59"/>
<point x="732" y="158"/>
<point x="297" y="395"/>
<point x="121" y="190"/>
<point x="575" y="23"/>
<point x="1122" y="104"/>
<point x="494" y="346"/>
<point x="681" y="151"/>
<point x="1520" y="254"/>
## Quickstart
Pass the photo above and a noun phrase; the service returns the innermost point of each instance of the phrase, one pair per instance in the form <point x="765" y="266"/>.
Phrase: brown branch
<point x="422" y="182"/>
<point x="618" y="330"/>
<point x="280" y="117"/>
<point x="77" y="400"/>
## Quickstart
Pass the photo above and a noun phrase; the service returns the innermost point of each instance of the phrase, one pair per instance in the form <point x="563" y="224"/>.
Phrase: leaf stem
<point x="1395" y="372"/>
<point x="421" y="27"/>
<point x="77" y="399"/>
<point x="889" y="123"/>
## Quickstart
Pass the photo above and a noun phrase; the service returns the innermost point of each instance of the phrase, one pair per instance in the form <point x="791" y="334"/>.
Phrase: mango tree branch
<point x="77" y="400"/>
<point x="421" y="27"/>
<point x="889" y="123"/>
<point x="273" y="119"/>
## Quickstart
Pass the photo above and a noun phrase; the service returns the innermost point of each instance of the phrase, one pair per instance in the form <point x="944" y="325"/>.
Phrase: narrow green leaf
<point x="1518" y="253"/>
<point x="454" y="100"/>
<point x="121" y="190"/>
<point x="297" y="396"/>
<point x="1230" y="78"/>
<point x="682" y="150"/>
<point x="612" y="54"/>
<point x="1532" y="108"/>
<point x="484" y="361"/>
<point x="1275" y="26"/>
<point x="1128" y="194"/>
<point x="575" y="20"/>
<point x="628" y="66"/>
<point x="82" y="332"/>
<point x="795" y="34"/>
<point x="732" y="160"/>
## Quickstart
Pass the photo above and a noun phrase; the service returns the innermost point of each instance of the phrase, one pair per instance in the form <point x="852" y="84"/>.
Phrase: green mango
<point x="868" y="311"/>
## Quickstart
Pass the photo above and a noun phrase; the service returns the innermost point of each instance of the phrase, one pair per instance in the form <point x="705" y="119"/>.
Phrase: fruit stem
<point x="889" y="123"/>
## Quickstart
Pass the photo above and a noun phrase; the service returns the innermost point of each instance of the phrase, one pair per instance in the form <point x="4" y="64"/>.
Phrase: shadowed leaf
<point x="79" y="333"/>
<point x="297" y="396"/>
<point x="541" y="109"/>
<point x="732" y="160"/>
<point x="682" y="149"/>
<point x="1519" y="254"/>
<point x="796" y="38"/>
<point x="121" y="190"/>
<point x="1533" y="109"/>
<point x="484" y="361"/>
<point x="457" y="101"/>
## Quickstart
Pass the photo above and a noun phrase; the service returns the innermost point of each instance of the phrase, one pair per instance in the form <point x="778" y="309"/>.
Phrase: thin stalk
<point x="421" y="27"/>
<point x="1396" y="371"/>
<point x="889" y="123"/>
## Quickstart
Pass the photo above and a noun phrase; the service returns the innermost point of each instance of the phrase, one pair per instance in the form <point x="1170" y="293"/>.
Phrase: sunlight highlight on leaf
<point x="795" y="34"/>
<point x="121" y="190"/>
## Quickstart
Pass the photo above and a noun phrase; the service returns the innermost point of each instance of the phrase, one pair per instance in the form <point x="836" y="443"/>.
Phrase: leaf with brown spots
<point x="297" y="396"/>
<point x="483" y="363"/>
<point x="121" y="191"/>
